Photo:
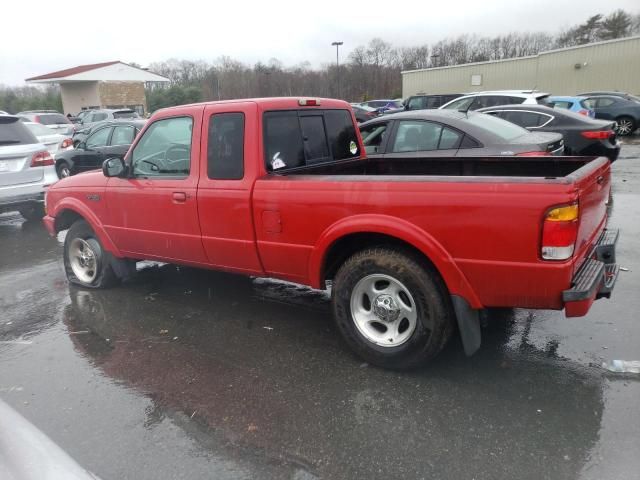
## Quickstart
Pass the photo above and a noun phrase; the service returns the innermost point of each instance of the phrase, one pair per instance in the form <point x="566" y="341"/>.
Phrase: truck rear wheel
<point x="86" y="263"/>
<point x="394" y="312"/>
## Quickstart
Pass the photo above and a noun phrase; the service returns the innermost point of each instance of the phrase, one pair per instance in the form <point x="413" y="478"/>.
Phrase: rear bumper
<point x="16" y="202"/>
<point x="595" y="278"/>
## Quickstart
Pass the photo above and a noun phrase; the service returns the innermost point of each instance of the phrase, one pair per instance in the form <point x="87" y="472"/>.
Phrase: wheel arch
<point x="346" y="237"/>
<point x="70" y="210"/>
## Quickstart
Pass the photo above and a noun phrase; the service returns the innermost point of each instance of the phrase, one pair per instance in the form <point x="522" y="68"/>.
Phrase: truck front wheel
<point x="85" y="261"/>
<point x="393" y="311"/>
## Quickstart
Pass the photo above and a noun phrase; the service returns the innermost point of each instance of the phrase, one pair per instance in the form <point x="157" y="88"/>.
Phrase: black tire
<point x="625" y="126"/>
<point x="105" y="277"/>
<point x="63" y="169"/>
<point x="33" y="212"/>
<point x="435" y="317"/>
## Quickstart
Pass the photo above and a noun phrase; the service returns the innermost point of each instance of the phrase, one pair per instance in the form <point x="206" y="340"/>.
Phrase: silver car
<point x="50" y="119"/>
<point x="26" y="169"/>
<point x="54" y="142"/>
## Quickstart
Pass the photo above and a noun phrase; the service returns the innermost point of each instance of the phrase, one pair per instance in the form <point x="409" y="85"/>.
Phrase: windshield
<point x="507" y="131"/>
<point x="39" y="130"/>
<point x="52" y="118"/>
<point x="125" y="114"/>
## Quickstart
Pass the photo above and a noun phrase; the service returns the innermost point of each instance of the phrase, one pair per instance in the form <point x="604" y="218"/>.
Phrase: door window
<point x="416" y="103"/>
<point x="164" y="149"/>
<point x="98" y="138"/>
<point x="123" y="135"/>
<point x="225" y="150"/>
<point x="373" y="137"/>
<point x="562" y="104"/>
<point x="605" y="102"/>
<point x="414" y="136"/>
<point x="98" y="117"/>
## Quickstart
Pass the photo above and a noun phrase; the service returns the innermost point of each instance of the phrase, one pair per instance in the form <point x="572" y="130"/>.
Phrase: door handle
<point x="179" y="197"/>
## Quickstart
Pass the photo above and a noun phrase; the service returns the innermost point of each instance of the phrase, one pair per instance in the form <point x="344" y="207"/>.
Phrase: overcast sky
<point x="43" y="36"/>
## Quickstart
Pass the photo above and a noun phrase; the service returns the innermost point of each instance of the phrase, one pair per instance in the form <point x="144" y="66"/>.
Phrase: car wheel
<point x="86" y="263"/>
<point x="625" y="126"/>
<point x="63" y="170"/>
<point x="391" y="310"/>
<point x="33" y="212"/>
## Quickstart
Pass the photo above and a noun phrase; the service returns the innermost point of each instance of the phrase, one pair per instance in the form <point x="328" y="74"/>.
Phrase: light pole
<point x="337" y="45"/>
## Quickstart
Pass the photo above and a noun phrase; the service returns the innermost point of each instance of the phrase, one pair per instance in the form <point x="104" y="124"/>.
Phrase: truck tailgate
<point x="593" y="183"/>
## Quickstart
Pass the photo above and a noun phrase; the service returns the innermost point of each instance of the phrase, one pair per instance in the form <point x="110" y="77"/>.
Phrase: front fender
<point x="402" y="230"/>
<point x="76" y="206"/>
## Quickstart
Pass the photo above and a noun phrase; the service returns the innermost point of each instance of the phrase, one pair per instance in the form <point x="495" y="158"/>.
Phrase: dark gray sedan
<point x="448" y="133"/>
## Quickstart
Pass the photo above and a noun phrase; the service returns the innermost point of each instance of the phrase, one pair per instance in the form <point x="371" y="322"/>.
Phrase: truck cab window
<point x="225" y="149"/>
<point x="295" y="138"/>
<point x="164" y="149"/>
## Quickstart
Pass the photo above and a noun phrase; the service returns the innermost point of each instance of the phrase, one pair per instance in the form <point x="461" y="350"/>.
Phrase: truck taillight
<point x="559" y="232"/>
<point x="41" y="159"/>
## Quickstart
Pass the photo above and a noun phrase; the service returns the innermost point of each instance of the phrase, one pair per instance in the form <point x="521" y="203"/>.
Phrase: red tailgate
<point x="593" y="193"/>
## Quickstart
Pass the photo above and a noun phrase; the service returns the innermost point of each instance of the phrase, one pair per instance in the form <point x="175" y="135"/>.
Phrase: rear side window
<point x="52" y="118"/>
<point x="496" y="126"/>
<point x="97" y="117"/>
<point x="525" y="119"/>
<point x="449" y="139"/>
<point x="562" y="104"/>
<point x="225" y="151"/>
<point x="417" y="103"/>
<point x="297" y="138"/>
<point x="14" y="132"/>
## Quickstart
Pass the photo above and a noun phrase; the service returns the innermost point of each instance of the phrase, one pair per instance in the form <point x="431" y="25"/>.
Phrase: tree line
<point x="369" y="71"/>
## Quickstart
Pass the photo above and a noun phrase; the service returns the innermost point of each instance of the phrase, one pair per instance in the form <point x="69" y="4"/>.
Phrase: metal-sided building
<point x="609" y="65"/>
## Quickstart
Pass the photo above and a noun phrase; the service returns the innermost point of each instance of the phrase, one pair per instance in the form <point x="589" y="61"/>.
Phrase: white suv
<point x="474" y="101"/>
<point x="26" y="169"/>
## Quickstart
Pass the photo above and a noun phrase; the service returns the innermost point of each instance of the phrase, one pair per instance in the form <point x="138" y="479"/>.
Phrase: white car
<point x="474" y="101"/>
<point x="50" y="119"/>
<point x="26" y="169"/>
<point x="54" y="142"/>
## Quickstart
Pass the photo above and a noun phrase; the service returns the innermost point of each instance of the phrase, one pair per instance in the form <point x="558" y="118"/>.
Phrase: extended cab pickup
<point x="409" y="248"/>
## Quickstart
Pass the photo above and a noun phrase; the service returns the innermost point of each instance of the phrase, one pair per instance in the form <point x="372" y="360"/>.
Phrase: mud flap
<point x="468" y="324"/>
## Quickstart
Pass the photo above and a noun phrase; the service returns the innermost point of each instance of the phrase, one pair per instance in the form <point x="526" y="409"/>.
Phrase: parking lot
<point x="193" y="374"/>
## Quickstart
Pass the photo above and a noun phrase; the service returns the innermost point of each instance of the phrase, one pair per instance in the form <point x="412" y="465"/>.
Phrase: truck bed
<point x="527" y="167"/>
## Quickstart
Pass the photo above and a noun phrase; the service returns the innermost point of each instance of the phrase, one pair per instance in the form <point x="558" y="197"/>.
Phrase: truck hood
<point x="93" y="178"/>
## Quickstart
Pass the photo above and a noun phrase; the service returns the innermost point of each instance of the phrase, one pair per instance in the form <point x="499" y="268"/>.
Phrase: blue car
<point x="575" y="104"/>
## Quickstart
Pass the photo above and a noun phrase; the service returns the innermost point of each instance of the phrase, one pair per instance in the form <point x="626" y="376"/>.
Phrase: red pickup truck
<point x="281" y="188"/>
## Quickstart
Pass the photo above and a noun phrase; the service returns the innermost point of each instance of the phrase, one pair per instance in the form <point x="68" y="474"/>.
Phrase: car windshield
<point x="39" y="130"/>
<point x="52" y="118"/>
<point x="125" y="114"/>
<point x="507" y="131"/>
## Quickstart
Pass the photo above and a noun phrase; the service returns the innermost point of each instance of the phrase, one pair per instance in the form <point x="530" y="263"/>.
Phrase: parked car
<point x="383" y="105"/>
<point x="104" y="114"/>
<point x="574" y="104"/>
<point x="445" y="133"/>
<point x="475" y="101"/>
<point x="109" y="139"/>
<point x="26" y="168"/>
<point x="364" y="113"/>
<point x="409" y="246"/>
<point x="50" y="119"/>
<point x="423" y="102"/>
<point x="626" y="96"/>
<point x="2" y="112"/>
<point x="54" y="142"/>
<point x="626" y="113"/>
<point x="582" y="135"/>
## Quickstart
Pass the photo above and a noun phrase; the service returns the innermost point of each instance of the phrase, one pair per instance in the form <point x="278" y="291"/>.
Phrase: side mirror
<point x="81" y="146"/>
<point x="113" y="167"/>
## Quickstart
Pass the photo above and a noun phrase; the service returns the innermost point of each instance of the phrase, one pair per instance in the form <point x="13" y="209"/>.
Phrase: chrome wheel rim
<point x="383" y="310"/>
<point x="624" y="127"/>
<point x="83" y="260"/>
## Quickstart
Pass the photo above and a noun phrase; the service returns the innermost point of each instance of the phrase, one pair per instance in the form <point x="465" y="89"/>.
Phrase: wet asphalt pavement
<point x="200" y="375"/>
